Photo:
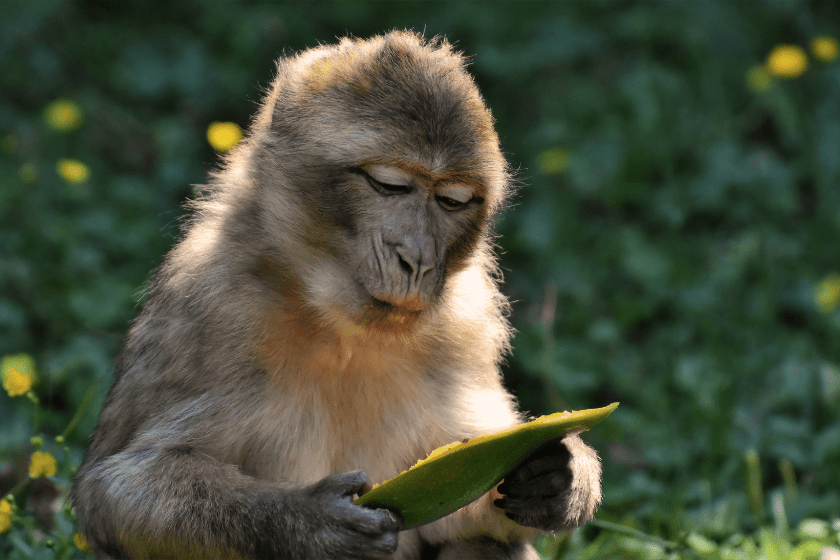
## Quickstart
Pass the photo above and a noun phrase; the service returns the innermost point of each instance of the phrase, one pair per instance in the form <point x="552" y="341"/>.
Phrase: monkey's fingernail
<point x="500" y="503"/>
<point x="502" y="488"/>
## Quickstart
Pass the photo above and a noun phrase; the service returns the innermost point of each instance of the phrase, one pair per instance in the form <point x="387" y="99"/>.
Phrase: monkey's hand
<point x="557" y="488"/>
<point x="342" y="530"/>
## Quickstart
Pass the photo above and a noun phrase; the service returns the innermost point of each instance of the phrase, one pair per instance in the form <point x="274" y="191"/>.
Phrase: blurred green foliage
<point x="675" y="247"/>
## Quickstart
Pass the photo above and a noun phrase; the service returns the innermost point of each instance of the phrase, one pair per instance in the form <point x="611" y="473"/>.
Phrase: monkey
<point x="330" y="315"/>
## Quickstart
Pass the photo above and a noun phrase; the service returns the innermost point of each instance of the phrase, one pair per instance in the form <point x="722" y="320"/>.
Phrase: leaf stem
<point x="630" y="532"/>
<point x="80" y="411"/>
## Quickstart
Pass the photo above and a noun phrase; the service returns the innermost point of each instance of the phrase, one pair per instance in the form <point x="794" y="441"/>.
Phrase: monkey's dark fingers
<point x="343" y="484"/>
<point x="383" y="547"/>
<point x="366" y="521"/>
<point x="347" y="531"/>
<point x="551" y="457"/>
<point x="545" y="485"/>
<point x="374" y="549"/>
<point x="541" y="514"/>
<point x="344" y="544"/>
<point x="365" y="533"/>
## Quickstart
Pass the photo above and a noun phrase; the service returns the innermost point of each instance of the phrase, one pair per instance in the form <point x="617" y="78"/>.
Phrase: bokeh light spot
<point x="223" y="135"/>
<point x="759" y="78"/>
<point x="73" y="171"/>
<point x="824" y="48"/>
<point x="787" y="61"/>
<point x="827" y="294"/>
<point x="63" y="115"/>
<point x="553" y="161"/>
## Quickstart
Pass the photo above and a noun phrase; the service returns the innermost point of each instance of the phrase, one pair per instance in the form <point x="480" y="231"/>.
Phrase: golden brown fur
<point x="331" y="308"/>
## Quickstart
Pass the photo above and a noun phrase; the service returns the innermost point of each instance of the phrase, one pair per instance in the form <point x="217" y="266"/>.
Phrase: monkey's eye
<point x="450" y="204"/>
<point x="387" y="188"/>
<point x="454" y="197"/>
<point x="385" y="179"/>
<point x="381" y="186"/>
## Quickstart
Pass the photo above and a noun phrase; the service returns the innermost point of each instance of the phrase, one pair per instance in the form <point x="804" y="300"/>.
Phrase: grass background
<point x="677" y="225"/>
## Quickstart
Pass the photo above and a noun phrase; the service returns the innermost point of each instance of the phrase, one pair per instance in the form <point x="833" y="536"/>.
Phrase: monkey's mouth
<point x="410" y="304"/>
<point x="390" y="316"/>
<point x="384" y="305"/>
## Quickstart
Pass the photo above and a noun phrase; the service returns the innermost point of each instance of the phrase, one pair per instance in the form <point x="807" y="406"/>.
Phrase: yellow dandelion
<point x="787" y="61"/>
<point x="759" y="78"/>
<point x="63" y="115"/>
<point x="42" y="464"/>
<point x="81" y="542"/>
<point x="553" y="161"/>
<point x="18" y="372"/>
<point x="827" y="294"/>
<point x="5" y="515"/>
<point x="223" y="135"/>
<point x="27" y="173"/>
<point x="73" y="171"/>
<point x="825" y="48"/>
<point x="17" y="383"/>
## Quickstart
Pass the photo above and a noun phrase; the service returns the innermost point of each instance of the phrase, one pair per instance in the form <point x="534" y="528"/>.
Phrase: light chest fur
<point x="356" y="403"/>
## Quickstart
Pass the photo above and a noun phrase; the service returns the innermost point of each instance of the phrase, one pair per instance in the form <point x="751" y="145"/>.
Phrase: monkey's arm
<point x="167" y="499"/>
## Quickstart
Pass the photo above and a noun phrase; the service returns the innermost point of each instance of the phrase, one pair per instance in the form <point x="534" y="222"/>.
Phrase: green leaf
<point x="456" y="474"/>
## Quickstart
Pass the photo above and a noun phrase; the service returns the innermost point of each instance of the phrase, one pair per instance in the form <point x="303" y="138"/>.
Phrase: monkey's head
<point x="377" y="172"/>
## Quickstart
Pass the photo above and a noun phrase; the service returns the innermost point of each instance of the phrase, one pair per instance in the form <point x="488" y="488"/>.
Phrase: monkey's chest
<point x="377" y="423"/>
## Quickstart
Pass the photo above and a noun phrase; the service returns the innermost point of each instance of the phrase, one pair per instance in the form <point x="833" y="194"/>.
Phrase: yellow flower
<point x="5" y="515"/>
<point x="759" y="78"/>
<point x="81" y="542"/>
<point x="42" y="464"/>
<point x="825" y="48"/>
<point x="223" y="135"/>
<point x="18" y="372"/>
<point x="17" y="383"/>
<point x="73" y="171"/>
<point x="787" y="61"/>
<point x="827" y="295"/>
<point x="63" y="115"/>
<point x="553" y="161"/>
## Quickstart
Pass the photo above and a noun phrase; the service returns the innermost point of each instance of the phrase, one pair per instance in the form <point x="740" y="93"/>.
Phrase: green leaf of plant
<point x="456" y="474"/>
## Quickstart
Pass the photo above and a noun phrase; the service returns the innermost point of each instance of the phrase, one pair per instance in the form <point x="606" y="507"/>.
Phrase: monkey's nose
<point x="414" y="268"/>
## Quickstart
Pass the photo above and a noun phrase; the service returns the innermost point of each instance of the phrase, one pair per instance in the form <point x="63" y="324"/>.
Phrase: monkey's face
<point x="410" y="229"/>
<point x="394" y="169"/>
<point x="382" y="237"/>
